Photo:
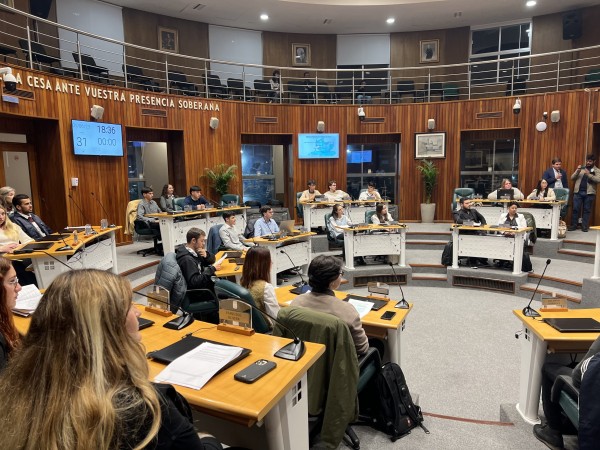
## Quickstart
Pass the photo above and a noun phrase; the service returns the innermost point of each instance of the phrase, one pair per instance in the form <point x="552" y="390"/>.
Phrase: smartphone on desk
<point x="255" y="371"/>
<point x="388" y="315"/>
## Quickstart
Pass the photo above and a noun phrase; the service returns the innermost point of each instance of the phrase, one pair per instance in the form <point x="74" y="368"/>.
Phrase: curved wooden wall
<point x="46" y="120"/>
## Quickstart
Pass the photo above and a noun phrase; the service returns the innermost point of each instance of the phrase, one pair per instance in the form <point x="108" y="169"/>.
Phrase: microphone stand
<point x="402" y="304"/>
<point x="303" y="283"/>
<point x="112" y="225"/>
<point x="528" y="311"/>
<point x="180" y="322"/>
<point x="81" y="211"/>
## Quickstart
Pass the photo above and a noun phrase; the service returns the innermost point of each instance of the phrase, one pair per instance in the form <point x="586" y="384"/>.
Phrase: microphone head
<point x="548" y="261"/>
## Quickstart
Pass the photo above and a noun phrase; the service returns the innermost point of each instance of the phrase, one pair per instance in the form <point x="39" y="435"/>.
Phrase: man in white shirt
<point x="229" y="234"/>
<point x="334" y="194"/>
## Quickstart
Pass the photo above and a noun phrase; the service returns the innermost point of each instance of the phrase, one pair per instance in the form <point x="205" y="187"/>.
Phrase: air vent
<point x="154" y="112"/>
<point x="327" y="21"/>
<point x="490" y="115"/>
<point x="388" y="279"/>
<point x="484" y="283"/>
<point x="373" y="120"/>
<point x="28" y="95"/>
<point x="258" y="119"/>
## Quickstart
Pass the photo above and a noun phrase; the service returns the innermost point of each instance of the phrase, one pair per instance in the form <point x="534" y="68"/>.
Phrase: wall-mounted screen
<point x="316" y="146"/>
<point x="360" y="156"/>
<point x="97" y="139"/>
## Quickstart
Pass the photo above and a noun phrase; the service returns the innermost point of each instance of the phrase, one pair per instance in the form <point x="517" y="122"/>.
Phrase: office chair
<point x="406" y="87"/>
<point x="450" y="91"/>
<point x="135" y="76"/>
<point x="236" y="89"/>
<point x="226" y="199"/>
<point x="563" y="194"/>
<point x="461" y="193"/>
<point x="299" y="88"/>
<point x="592" y="78"/>
<point x="178" y="202"/>
<point x="262" y="88"/>
<point x="214" y="87"/>
<point x="299" y="207"/>
<point x="369" y="215"/>
<point x="336" y="379"/>
<point x="226" y="289"/>
<point x="142" y="228"/>
<point x="202" y="303"/>
<point x="332" y="241"/>
<point x="213" y="240"/>
<point x="89" y="66"/>
<point x="516" y="86"/>
<point x="179" y="83"/>
<point x="42" y="59"/>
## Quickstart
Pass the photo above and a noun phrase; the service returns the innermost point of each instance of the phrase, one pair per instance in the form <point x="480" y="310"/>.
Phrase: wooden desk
<point x="545" y="218"/>
<point x="229" y="269"/>
<point x="279" y="400"/>
<point x="492" y="244"/>
<point x="314" y="212"/>
<point x="174" y="227"/>
<point x="374" y="326"/>
<point x="96" y="251"/>
<point x="297" y="247"/>
<point x="374" y="240"/>
<point x="537" y="340"/>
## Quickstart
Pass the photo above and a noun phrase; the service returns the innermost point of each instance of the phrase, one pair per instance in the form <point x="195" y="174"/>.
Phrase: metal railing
<point x="76" y="53"/>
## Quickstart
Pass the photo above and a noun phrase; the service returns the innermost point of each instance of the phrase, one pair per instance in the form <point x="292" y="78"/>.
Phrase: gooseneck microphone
<point x="528" y="311"/>
<point x="300" y="288"/>
<point x="81" y="212"/>
<point x="402" y="304"/>
<point x="112" y="225"/>
<point x="66" y="246"/>
<point x="180" y="322"/>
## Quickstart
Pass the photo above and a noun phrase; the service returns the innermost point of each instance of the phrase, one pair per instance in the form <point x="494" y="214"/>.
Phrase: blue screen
<point x="360" y="156"/>
<point x="97" y="139"/>
<point x="314" y="146"/>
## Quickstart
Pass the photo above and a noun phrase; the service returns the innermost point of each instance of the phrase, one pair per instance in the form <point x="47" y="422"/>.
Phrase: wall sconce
<point x="97" y="112"/>
<point x="320" y="126"/>
<point x="541" y="125"/>
<point x="431" y="124"/>
<point x="214" y="123"/>
<point x="555" y="116"/>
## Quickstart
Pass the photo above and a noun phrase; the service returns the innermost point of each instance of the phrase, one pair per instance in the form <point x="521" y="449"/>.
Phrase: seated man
<point x="195" y="200"/>
<point x="324" y="276"/>
<point x="148" y="206"/>
<point x="310" y="194"/>
<point x="334" y="194"/>
<point x="465" y="214"/>
<point x="196" y="263"/>
<point x="371" y="193"/>
<point x="31" y="224"/>
<point x="265" y="225"/>
<point x="229" y="235"/>
<point x="550" y="432"/>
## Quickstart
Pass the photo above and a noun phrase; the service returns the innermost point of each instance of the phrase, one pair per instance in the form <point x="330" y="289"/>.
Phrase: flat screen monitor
<point x="360" y="156"/>
<point x="506" y="194"/>
<point x="97" y="139"/>
<point x="319" y="146"/>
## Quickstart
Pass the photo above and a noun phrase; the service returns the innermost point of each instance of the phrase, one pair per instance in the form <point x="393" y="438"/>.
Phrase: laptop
<point x="575" y="325"/>
<point x="320" y="198"/>
<point x="377" y="304"/>
<point x="504" y="194"/>
<point x="288" y="226"/>
<point x="170" y="353"/>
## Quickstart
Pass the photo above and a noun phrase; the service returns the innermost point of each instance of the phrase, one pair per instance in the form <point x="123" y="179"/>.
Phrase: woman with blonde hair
<point x="80" y="378"/>
<point x="11" y="236"/>
<point x="6" y="195"/>
<point x="506" y="185"/>
<point x="9" y="336"/>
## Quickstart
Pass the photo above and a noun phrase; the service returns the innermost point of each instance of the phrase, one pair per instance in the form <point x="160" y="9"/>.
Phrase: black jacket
<point x="28" y="227"/>
<point x="463" y="215"/>
<point x="196" y="270"/>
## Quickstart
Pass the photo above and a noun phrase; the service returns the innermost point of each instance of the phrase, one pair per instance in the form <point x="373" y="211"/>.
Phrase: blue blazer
<point x="549" y="177"/>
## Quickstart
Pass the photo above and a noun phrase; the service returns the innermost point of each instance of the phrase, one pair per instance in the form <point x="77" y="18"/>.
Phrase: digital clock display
<point x="97" y="139"/>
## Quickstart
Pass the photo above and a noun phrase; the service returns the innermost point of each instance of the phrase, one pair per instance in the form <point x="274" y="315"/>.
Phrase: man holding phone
<point x="586" y="178"/>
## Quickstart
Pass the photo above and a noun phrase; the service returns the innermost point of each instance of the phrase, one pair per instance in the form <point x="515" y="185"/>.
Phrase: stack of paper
<point x="27" y="301"/>
<point x="195" y="368"/>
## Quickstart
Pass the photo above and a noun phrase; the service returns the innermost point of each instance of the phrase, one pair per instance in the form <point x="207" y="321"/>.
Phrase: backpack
<point x="447" y="254"/>
<point x="526" y="264"/>
<point x="386" y="404"/>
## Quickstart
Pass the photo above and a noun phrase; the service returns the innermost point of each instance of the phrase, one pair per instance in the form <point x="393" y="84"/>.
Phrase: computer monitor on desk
<point x="506" y="194"/>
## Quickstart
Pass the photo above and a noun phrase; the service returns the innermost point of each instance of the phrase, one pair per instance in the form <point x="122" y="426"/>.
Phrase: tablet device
<point x="37" y="246"/>
<point x="575" y="325"/>
<point x="377" y="304"/>
<point x="170" y="353"/>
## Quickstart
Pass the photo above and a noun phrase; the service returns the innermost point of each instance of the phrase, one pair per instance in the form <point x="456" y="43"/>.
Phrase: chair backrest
<point x="133" y="71"/>
<point x="213" y="241"/>
<point x="253" y="204"/>
<point x="369" y="215"/>
<point x="296" y="86"/>
<point x="228" y="289"/>
<point x="249" y="231"/>
<point x="461" y="193"/>
<point x="213" y="80"/>
<point x="563" y="194"/>
<point x="235" y="83"/>
<point x="405" y="87"/>
<point x="130" y="215"/>
<point x="328" y="228"/>
<point x="169" y="276"/>
<point x="226" y="199"/>
<point x="299" y="209"/>
<point x="530" y="223"/>
<point x="333" y="379"/>
<point x="177" y="77"/>
<point x="178" y="202"/>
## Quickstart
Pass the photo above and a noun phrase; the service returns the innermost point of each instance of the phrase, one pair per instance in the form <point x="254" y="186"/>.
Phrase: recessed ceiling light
<point x="531" y="3"/>
<point x="264" y="17"/>
<point x="390" y="20"/>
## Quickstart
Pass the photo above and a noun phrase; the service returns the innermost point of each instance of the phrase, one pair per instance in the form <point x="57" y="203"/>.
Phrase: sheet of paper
<point x="28" y="298"/>
<point x="221" y="259"/>
<point x="195" y="368"/>
<point x="362" y="307"/>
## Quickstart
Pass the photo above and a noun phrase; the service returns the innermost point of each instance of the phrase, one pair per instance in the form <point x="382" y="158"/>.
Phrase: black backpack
<point x="386" y="404"/>
<point x="447" y="254"/>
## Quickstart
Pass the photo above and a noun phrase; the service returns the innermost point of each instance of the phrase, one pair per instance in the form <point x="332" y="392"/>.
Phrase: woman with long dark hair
<point x="167" y="198"/>
<point x="255" y="277"/>
<point x="542" y="192"/>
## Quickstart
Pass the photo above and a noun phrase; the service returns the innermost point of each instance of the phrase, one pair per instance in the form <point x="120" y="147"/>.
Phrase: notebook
<point x="377" y="304"/>
<point x="170" y="353"/>
<point x="575" y="325"/>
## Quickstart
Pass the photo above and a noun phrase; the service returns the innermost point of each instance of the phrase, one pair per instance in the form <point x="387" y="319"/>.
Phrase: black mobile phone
<point x="255" y="371"/>
<point x="388" y="315"/>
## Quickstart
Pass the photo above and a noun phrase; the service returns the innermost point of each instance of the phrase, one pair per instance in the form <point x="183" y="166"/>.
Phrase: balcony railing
<point x="79" y="54"/>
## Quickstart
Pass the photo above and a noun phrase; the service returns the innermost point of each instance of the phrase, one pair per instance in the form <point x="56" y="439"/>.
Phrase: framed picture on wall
<point x="430" y="145"/>
<point x="301" y="54"/>
<point x="168" y="39"/>
<point x="430" y="51"/>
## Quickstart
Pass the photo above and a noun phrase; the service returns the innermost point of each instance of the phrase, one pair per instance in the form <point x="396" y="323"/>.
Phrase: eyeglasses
<point x="341" y="273"/>
<point x="13" y="282"/>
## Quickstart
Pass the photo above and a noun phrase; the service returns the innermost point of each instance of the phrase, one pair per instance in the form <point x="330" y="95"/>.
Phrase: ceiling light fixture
<point x="390" y="20"/>
<point x="264" y="17"/>
<point x="531" y="3"/>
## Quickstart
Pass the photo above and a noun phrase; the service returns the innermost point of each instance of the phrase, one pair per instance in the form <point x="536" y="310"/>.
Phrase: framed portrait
<point x="300" y="54"/>
<point x="429" y="51"/>
<point x="168" y="39"/>
<point x="430" y="145"/>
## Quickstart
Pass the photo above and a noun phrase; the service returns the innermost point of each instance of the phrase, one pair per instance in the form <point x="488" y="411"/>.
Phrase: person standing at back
<point x="584" y="193"/>
<point x="556" y="176"/>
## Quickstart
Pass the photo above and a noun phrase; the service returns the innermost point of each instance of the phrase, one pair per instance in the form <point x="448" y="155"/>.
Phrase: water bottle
<point x="75" y="237"/>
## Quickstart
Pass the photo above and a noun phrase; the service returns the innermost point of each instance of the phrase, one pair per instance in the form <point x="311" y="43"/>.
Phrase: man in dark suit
<point x="556" y="176"/>
<point x="31" y="224"/>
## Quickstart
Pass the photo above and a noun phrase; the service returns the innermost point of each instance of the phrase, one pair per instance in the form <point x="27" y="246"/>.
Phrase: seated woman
<point x="167" y="198"/>
<point x="9" y="336"/>
<point x="255" y="276"/>
<point x="339" y="220"/>
<point x="542" y="192"/>
<point x="507" y="184"/>
<point x="6" y="195"/>
<point x="88" y="324"/>
<point x="11" y="236"/>
<point x="381" y="214"/>
<point x="370" y="194"/>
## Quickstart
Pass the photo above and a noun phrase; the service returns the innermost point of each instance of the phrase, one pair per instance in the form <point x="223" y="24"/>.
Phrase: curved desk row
<point x="314" y="212"/>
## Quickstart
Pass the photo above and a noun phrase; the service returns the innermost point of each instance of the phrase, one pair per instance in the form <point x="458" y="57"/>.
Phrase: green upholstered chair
<point x="368" y="215"/>
<point x="226" y="199"/>
<point x="227" y="289"/>
<point x="450" y="92"/>
<point x="566" y="394"/>
<point x="461" y="193"/>
<point x="592" y="78"/>
<point x="563" y="194"/>
<point x="178" y="202"/>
